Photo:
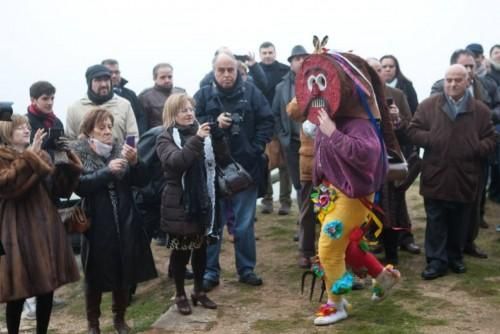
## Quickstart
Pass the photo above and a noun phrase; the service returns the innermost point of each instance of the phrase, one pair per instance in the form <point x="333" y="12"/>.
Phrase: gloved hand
<point x="62" y="144"/>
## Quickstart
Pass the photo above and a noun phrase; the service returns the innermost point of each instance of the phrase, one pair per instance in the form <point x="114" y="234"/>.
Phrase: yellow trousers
<point x="351" y="213"/>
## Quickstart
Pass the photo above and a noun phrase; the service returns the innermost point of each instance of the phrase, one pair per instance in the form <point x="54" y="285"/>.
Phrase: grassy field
<point x="451" y="304"/>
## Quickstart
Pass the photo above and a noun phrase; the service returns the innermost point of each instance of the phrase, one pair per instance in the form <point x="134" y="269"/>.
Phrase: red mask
<point x="317" y="86"/>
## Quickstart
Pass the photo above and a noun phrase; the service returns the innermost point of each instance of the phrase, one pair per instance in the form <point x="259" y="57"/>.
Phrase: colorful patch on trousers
<point x="343" y="285"/>
<point x="334" y="229"/>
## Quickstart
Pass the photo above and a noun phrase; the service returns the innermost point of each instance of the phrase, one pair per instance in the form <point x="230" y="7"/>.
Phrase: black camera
<point x="6" y="111"/>
<point x="236" y="120"/>
<point x="242" y="58"/>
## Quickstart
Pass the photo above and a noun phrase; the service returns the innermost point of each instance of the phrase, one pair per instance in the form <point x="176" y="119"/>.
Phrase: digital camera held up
<point x="236" y="120"/>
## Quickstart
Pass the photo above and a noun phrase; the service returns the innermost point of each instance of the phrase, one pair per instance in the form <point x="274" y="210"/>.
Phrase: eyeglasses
<point x="23" y="127"/>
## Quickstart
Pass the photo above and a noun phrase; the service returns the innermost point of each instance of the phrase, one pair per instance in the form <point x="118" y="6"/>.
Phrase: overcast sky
<point x="56" y="40"/>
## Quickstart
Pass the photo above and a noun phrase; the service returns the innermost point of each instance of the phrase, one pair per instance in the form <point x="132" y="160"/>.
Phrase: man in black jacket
<point x="244" y="115"/>
<point x="119" y="88"/>
<point x="275" y="71"/>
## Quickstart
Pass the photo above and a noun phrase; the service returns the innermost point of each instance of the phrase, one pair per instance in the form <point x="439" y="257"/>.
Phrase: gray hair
<point x="229" y="54"/>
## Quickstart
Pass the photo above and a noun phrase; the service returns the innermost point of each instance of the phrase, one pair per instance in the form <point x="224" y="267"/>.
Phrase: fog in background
<point x="57" y="40"/>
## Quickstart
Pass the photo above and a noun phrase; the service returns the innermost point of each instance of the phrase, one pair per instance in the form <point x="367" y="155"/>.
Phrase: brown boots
<point x="93" y="306"/>
<point x="119" y="307"/>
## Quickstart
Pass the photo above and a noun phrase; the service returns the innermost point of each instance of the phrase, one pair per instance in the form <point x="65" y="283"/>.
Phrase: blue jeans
<point x="243" y="205"/>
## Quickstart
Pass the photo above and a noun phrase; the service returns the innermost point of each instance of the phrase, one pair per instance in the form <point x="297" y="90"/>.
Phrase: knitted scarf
<point x="198" y="181"/>
<point x="47" y="119"/>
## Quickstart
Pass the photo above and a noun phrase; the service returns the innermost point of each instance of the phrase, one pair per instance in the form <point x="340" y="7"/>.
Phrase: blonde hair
<point x="173" y="105"/>
<point x="7" y="128"/>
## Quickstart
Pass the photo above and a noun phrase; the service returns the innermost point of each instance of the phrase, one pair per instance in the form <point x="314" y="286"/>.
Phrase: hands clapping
<point x="36" y="145"/>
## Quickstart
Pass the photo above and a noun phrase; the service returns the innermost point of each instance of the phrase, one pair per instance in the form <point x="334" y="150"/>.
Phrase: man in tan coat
<point x="100" y="94"/>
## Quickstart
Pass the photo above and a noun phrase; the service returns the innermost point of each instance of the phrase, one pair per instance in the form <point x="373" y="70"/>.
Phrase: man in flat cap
<point x="100" y="94"/>
<point x="288" y="133"/>
<point x="478" y="52"/>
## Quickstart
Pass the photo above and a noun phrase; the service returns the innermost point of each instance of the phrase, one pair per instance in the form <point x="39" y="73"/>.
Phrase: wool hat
<point x="475" y="48"/>
<point x="297" y="50"/>
<point x="96" y="71"/>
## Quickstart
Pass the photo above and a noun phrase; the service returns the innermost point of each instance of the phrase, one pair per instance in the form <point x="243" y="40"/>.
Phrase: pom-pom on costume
<point x="349" y="168"/>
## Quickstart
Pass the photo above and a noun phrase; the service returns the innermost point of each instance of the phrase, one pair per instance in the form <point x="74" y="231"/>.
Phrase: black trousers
<point x="43" y="310"/>
<point x="307" y="222"/>
<point x="477" y="212"/>
<point x="446" y="230"/>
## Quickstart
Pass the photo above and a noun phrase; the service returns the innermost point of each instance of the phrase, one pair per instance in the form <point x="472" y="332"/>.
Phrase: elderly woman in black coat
<point x="188" y="212"/>
<point x="115" y="250"/>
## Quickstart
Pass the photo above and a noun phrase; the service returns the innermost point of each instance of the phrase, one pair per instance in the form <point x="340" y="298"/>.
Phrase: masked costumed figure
<point x="342" y="96"/>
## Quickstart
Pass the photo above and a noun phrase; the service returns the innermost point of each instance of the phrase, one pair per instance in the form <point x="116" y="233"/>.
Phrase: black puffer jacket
<point x="115" y="250"/>
<point x="256" y="126"/>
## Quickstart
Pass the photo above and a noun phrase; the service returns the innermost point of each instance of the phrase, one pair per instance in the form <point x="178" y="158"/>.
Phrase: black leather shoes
<point x="251" y="279"/>
<point x="475" y="252"/>
<point x="432" y="273"/>
<point x="457" y="267"/>
<point x="411" y="248"/>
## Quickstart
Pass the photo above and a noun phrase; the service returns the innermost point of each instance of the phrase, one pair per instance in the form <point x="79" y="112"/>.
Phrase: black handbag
<point x="232" y="179"/>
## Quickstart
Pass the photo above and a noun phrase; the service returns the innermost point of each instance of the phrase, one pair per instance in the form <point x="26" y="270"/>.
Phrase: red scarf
<point x="48" y="119"/>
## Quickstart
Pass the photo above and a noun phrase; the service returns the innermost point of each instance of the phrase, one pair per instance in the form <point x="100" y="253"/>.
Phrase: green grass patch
<point x="293" y="322"/>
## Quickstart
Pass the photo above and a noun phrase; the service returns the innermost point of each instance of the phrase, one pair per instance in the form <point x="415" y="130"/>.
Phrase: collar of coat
<point x="110" y="103"/>
<point x="92" y="161"/>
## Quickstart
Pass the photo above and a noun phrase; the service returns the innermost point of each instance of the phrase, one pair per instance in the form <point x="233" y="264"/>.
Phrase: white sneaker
<point x="29" y="309"/>
<point x="330" y="314"/>
<point x="384" y="282"/>
<point x="58" y="303"/>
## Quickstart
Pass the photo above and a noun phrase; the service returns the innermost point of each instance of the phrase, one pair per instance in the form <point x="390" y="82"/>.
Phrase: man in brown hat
<point x="288" y="133"/>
